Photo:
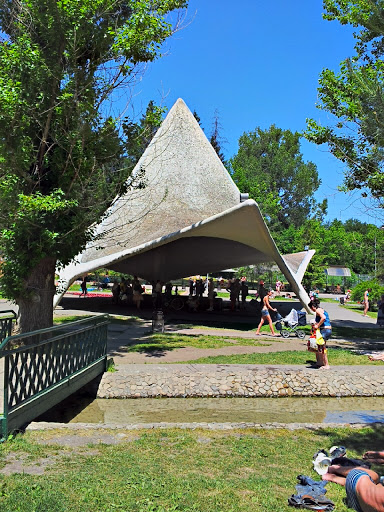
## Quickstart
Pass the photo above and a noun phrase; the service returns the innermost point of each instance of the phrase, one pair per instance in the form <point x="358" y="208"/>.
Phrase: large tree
<point x="355" y="96"/>
<point x="63" y="156"/>
<point x="139" y="135"/>
<point x="270" y="167"/>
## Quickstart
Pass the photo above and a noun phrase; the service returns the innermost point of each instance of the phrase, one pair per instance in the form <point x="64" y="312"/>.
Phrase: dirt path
<point x="120" y="338"/>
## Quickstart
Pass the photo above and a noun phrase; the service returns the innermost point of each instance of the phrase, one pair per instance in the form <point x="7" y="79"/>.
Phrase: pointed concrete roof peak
<point x="185" y="181"/>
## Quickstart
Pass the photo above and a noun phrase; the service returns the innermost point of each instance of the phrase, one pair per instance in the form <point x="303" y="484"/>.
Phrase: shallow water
<point x="219" y="410"/>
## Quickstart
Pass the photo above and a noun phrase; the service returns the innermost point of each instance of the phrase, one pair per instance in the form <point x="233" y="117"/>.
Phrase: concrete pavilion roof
<point x="187" y="219"/>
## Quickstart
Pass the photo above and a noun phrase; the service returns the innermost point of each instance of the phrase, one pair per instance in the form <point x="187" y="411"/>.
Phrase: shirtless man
<point x="364" y="492"/>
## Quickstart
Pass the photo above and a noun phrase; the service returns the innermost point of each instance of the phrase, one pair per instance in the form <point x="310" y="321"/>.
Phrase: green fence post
<point x="4" y="415"/>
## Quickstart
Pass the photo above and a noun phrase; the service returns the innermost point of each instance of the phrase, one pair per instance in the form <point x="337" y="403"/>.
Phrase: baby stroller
<point x="290" y="325"/>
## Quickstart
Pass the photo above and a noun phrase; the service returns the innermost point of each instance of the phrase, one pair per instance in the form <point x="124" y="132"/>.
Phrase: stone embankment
<point x="145" y="381"/>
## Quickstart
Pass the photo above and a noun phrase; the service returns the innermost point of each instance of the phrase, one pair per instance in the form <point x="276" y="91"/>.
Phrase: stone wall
<point x="144" y="381"/>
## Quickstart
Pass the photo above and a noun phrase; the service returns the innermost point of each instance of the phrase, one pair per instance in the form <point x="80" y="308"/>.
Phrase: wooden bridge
<point x="41" y="368"/>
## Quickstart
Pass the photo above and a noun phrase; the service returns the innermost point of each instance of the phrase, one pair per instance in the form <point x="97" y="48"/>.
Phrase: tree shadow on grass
<point x="237" y="326"/>
<point x="360" y="351"/>
<point x="359" y="440"/>
<point x="156" y="342"/>
<point x="156" y="347"/>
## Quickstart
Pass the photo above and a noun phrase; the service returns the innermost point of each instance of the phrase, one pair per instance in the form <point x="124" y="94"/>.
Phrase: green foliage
<point x="314" y="276"/>
<point x="139" y="135"/>
<point x="352" y="244"/>
<point x="216" y="140"/>
<point x="355" y="96"/>
<point x="375" y="294"/>
<point x="270" y="168"/>
<point x="62" y="159"/>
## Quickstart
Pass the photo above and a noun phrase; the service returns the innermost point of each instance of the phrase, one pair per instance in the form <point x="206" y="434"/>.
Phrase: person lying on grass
<point x="364" y="492"/>
<point x="374" y="457"/>
<point x="376" y="357"/>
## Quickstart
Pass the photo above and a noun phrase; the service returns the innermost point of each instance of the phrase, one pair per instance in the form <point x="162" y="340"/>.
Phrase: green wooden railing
<point x="43" y="367"/>
<point x="7" y="318"/>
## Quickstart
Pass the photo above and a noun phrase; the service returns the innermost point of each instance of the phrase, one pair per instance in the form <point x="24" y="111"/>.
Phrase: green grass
<point x="338" y="333"/>
<point x="357" y="333"/>
<point x="359" y="308"/>
<point x="223" y="295"/>
<point x="59" y="320"/>
<point x="156" y="342"/>
<point x="217" y="325"/>
<point x="115" y="319"/>
<point x="74" y="288"/>
<point x="336" y="357"/>
<point x="173" y="470"/>
<point x="77" y="288"/>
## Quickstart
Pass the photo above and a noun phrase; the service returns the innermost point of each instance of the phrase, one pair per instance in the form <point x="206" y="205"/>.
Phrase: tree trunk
<point x="36" y="305"/>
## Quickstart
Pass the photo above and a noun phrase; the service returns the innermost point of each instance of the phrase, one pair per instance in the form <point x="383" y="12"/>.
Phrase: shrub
<point x="357" y="293"/>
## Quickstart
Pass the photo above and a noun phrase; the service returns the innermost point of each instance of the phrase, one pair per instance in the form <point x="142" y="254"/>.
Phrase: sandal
<point x="309" y="503"/>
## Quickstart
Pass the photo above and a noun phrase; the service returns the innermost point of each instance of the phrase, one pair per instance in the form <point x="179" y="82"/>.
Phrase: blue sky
<point x="257" y="63"/>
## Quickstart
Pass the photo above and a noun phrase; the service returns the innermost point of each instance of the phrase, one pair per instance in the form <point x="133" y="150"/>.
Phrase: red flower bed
<point x="92" y="294"/>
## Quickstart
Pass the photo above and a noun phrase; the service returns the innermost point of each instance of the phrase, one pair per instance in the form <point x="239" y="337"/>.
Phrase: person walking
<point x="244" y="293"/>
<point x="137" y="292"/>
<point x="211" y="294"/>
<point x="116" y="292"/>
<point x="376" y="357"/>
<point x="261" y="292"/>
<point x="265" y="316"/>
<point x="83" y="287"/>
<point x="380" y="312"/>
<point x="366" y="300"/>
<point x="323" y="323"/>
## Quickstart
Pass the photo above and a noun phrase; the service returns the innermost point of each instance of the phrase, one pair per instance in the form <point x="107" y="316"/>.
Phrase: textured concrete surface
<point x="197" y="380"/>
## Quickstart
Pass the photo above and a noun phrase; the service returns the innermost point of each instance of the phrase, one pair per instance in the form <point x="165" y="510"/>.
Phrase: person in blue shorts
<point x="364" y="492"/>
<point x="265" y="316"/>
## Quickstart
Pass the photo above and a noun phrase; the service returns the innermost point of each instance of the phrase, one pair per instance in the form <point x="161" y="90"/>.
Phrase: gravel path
<point x="120" y="338"/>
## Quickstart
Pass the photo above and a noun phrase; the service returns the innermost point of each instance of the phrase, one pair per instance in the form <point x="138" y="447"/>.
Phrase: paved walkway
<point x="121" y="336"/>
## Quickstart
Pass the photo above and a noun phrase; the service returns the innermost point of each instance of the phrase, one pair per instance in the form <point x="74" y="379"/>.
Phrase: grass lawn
<point x="336" y="357"/>
<point x="90" y="287"/>
<point x="222" y="295"/>
<point x="59" y="320"/>
<point x="171" y="341"/>
<point x="156" y="342"/>
<point x="170" y="470"/>
<point x="359" y="308"/>
<point x="115" y="319"/>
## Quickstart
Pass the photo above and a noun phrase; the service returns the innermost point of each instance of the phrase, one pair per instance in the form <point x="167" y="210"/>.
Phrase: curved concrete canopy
<point x="188" y="219"/>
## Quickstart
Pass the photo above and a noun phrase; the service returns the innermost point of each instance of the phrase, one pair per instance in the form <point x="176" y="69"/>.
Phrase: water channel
<point x="79" y="409"/>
